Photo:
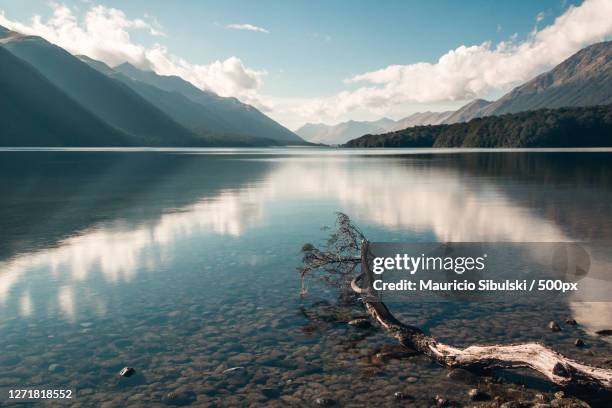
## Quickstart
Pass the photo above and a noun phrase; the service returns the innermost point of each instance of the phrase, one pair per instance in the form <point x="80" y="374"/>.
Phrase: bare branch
<point x="340" y="253"/>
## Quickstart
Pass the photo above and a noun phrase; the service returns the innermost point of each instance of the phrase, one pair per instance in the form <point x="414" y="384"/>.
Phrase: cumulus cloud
<point x="471" y="71"/>
<point x="247" y="27"/>
<point x="465" y="72"/>
<point x="103" y="33"/>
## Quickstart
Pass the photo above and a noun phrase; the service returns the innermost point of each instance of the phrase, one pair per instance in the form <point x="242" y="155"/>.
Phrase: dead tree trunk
<point x="554" y="366"/>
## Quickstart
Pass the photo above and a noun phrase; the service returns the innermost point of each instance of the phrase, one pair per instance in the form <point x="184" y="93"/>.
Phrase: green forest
<point x="564" y="127"/>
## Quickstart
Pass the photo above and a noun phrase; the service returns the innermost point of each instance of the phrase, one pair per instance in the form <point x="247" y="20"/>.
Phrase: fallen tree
<point x="347" y="249"/>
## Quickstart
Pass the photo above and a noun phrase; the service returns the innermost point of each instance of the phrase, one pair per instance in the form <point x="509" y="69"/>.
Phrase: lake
<point x="182" y="263"/>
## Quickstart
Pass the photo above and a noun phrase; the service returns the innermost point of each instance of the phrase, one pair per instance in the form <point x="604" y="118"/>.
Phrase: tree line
<point x="564" y="127"/>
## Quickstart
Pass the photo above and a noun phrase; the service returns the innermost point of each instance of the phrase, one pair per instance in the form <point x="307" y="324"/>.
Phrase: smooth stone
<point x="360" y="323"/>
<point x="460" y="374"/>
<point x="127" y="372"/>
<point x="478" y="395"/>
<point x="233" y="370"/>
<point x="540" y="397"/>
<point x="397" y="352"/>
<point x="324" y="402"/>
<point x="180" y="398"/>
<point x="440" y="401"/>
<point x="605" y="332"/>
<point x="554" y="326"/>
<point x="579" y="343"/>
<point x="401" y="396"/>
<point x="571" y="322"/>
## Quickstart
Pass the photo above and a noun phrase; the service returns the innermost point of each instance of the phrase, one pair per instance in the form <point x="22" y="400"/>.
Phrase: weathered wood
<point x="554" y="366"/>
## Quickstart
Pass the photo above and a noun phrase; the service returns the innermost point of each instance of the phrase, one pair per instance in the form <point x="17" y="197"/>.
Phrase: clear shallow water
<point x="182" y="264"/>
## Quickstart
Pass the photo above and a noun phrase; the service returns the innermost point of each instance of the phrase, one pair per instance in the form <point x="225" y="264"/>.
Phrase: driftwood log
<point x="554" y="366"/>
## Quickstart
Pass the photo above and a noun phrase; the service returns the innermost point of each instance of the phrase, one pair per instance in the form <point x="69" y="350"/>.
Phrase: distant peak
<point x="312" y="125"/>
<point x="129" y="67"/>
<point x="126" y="65"/>
<point x="600" y="45"/>
<point x="478" y="102"/>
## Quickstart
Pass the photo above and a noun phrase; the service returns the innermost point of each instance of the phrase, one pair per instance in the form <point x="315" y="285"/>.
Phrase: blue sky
<point x="312" y="47"/>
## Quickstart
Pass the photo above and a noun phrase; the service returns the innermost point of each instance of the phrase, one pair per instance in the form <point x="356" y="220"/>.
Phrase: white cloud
<point x="103" y="33"/>
<point x="227" y="78"/>
<point x="247" y="27"/>
<point x="471" y="71"/>
<point x="463" y="73"/>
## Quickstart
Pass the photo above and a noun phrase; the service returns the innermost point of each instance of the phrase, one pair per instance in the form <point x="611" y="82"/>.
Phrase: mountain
<point x="345" y="131"/>
<point x="562" y="127"/>
<point x="421" y="119"/>
<point x="584" y="79"/>
<point x="342" y="132"/>
<point x="42" y="115"/>
<point x="188" y="113"/>
<point x="467" y="112"/>
<point x="313" y="131"/>
<point x="182" y="109"/>
<point x="112" y="101"/>
<point x="237" y="117"/>
<point x="384" y="123"/>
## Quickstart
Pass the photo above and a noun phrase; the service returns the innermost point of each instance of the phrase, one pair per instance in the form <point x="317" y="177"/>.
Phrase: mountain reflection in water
<point x="70" y="218"/>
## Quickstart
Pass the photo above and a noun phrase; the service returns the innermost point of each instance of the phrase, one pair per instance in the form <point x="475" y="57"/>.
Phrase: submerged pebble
<point x="324" y="402"/>
<point x="571" y="322"/>
<point x="360" y="323"/>
<point x="127" y="372"/>
<point x="398" y="395"/>
<point x="179" y="398"/>
<point x="476" y="394"/>
<point x="460" y="374"/>
<point x="441" y="401"/>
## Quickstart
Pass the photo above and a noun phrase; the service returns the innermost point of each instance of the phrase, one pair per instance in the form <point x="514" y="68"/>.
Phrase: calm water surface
<point x="182" y="264"/>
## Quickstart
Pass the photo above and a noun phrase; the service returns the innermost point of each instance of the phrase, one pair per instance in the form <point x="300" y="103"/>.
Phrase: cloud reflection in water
<point x="390" y="193"/>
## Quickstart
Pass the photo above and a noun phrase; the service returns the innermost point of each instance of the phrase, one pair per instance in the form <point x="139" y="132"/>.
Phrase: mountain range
<point x="322" y="133"/>
<point x="584" y="79"/>
<point x="54" y="98"/>
<point x="83" y="102"/>
<point x="345" y="131"/>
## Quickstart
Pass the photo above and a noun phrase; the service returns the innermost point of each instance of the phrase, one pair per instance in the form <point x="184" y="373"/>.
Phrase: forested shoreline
<point x="564" y="127"/>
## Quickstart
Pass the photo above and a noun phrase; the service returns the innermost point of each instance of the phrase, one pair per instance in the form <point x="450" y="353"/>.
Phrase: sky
<point x="326" y="61"/>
